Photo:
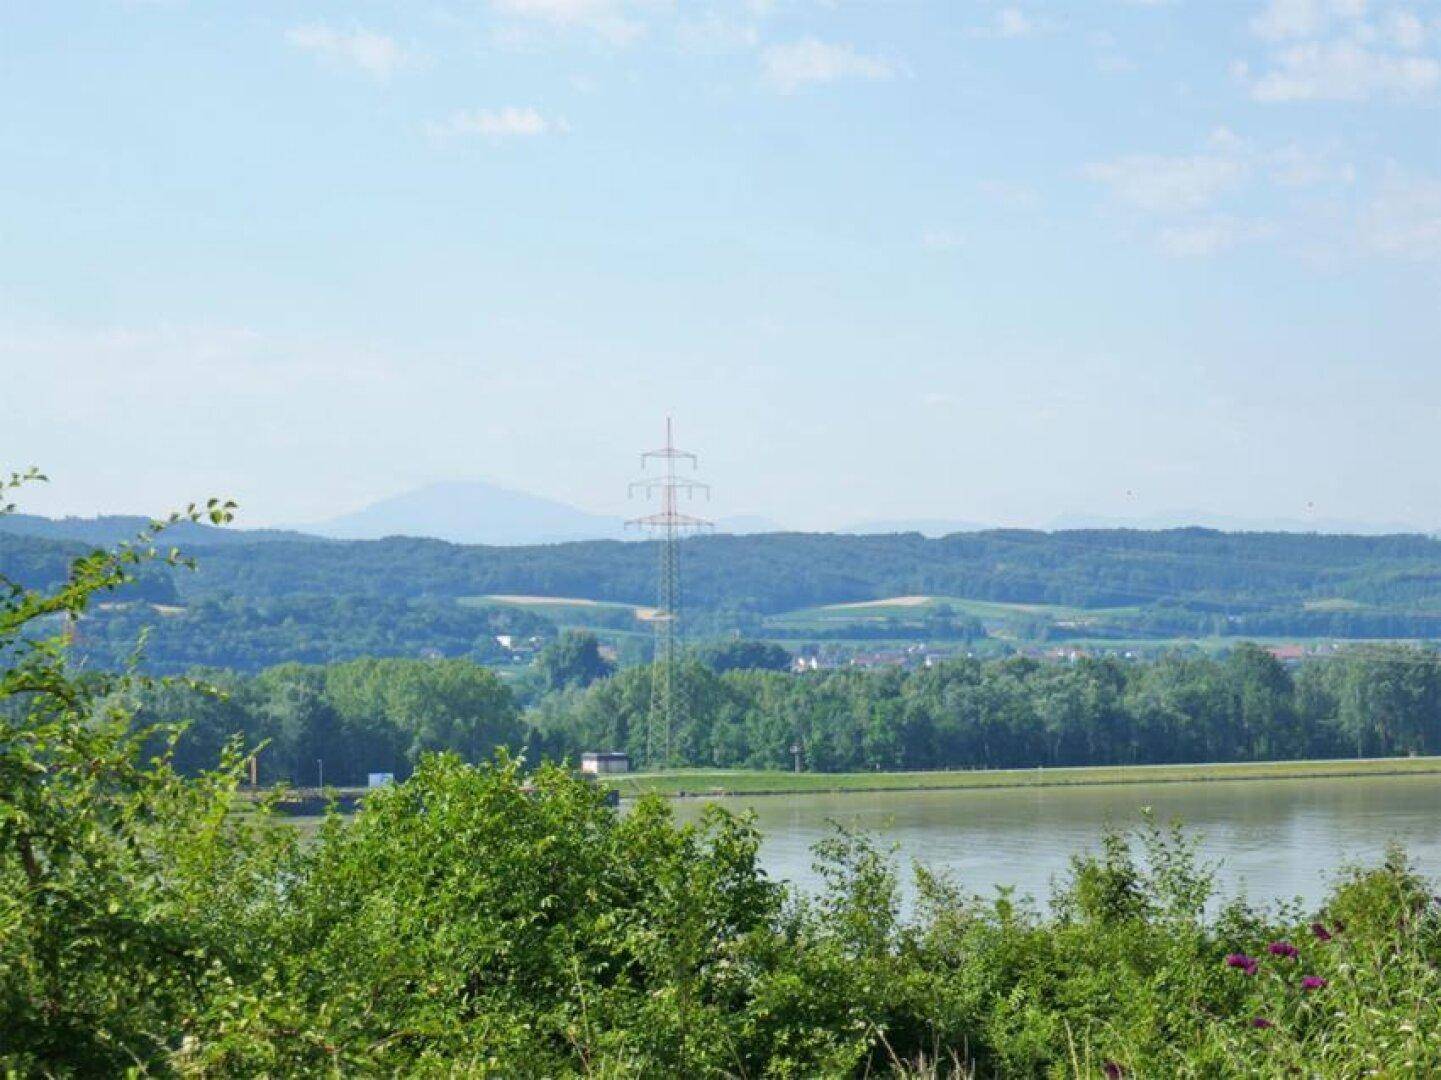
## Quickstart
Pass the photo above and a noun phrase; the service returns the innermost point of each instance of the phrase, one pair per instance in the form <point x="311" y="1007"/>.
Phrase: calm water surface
<point x="1273" y="840"/>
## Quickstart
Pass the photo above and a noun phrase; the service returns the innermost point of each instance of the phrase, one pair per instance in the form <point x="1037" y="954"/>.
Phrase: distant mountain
<point x="466" y="512"/>
<point x="472" y="512"/>
<point x="932" y="527"/>
<point x="113" y="529"/>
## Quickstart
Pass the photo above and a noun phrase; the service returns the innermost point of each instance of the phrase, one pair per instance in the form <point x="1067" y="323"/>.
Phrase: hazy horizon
<point x="430" y="511"/>
<point x="988" y="262"/>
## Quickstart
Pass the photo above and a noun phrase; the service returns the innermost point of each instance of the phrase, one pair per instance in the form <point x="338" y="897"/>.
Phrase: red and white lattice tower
<point x="668" y="698"/>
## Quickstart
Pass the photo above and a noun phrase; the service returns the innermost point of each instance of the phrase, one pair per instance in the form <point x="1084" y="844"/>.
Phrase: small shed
<point x="604" y="763"/>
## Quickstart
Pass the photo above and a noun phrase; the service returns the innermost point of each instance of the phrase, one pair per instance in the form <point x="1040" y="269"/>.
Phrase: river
<point x="1271" y="839"/>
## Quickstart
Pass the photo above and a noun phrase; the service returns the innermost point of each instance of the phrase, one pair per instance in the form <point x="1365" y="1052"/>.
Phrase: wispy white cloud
<point x="1162" y="183"/>
<point x="375" y="54"/>
<point x="1341" y="71"/>
<point x="1200" y="204"/>
<point x="1339" y="50"/>
<point x="618" y="22"/>
<point x="1211" y="236"/>
<point x="1406" y="30"/>
<point x="506" y="123"/>
<point x="1297" y="166"/>
<point x="1280" y="20"/>
<point x="714" y="33"/>
<point x="1404" y="217"/>
<point x="789" y="67"/>
<point x="942" y="240"/>
<point x="1109" y="59"/>
<point x="1009" y="193"/>
<point x="1014" y="22"/>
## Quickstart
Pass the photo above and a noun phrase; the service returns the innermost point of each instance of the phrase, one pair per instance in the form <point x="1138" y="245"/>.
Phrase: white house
<point x="604" y="764"/>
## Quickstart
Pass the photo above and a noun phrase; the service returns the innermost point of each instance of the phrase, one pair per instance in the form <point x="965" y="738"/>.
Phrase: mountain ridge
<point x="482" y="512"/>
<point x="470" y="512"/>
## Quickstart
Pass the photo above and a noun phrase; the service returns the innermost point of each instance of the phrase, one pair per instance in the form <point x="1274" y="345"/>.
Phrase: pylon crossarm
<point x="670" y="520"/>
<point x="651" y="484"/>
<point x="669" y="453"/>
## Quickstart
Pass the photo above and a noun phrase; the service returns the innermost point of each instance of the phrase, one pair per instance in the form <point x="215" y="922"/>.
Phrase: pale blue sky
<point x="988" y="261"/>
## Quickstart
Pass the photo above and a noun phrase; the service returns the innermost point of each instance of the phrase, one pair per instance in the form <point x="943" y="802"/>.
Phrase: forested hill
<point x="111" y="529"/>
<point x="1195" y="569"/>
<point x="783" y="571"/>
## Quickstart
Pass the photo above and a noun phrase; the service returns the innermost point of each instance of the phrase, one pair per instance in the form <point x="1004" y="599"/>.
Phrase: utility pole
<point x="668" y="699"/>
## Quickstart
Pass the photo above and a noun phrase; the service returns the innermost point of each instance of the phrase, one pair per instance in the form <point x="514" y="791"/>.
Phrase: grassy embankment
<point x="712" y="782"/>
<point x="706" y="783"/>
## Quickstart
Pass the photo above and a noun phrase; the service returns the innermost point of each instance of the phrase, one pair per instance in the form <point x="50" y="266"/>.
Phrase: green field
<point x="1107" y="629"/>
<point x="560" y="608"/>
<point x="912" y="606"/>
<point x="720" y="782"/>
<point x="612" y="622"/>
<point x="1334" y="603"/>
<point x="1003" y="620"/>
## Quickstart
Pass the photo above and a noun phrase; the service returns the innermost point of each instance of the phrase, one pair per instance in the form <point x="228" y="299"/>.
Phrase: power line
<point x="669" y="703"/>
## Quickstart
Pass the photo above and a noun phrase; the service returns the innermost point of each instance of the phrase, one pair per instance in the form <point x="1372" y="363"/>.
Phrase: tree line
<point x="249" y="635"/>
<point x="1021" y="713"/>
<point x="383" y="715"/>
<point x="336" y="722"/>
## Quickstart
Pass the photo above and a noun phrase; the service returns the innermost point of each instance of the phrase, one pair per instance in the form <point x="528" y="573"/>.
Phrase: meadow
<point x="724" y="782"/>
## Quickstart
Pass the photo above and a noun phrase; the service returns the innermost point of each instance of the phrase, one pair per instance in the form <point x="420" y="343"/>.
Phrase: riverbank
<point x="721" y="783"/>
<point x="313" y="801"/>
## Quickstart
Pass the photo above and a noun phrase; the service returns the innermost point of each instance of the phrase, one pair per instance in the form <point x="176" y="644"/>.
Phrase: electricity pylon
<point x="668" y="698"/>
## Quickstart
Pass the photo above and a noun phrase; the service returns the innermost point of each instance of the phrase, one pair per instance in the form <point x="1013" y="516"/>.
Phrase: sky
<point x="993" y="262"/>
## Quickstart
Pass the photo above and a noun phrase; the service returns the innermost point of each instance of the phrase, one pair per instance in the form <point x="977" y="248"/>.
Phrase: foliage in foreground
<point x="470" y="920"/>
<point x="479" y="921"/>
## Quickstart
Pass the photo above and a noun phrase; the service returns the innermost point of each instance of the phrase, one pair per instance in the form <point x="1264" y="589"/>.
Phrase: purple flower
<point x="1282" y="948"/>
<point x="1313" y="982"/>
<point x="1113" y="1071"/>
<point x="1261" y="1022"/>
<point x="1320" y="932"/>
<point x="1248" y="964"/>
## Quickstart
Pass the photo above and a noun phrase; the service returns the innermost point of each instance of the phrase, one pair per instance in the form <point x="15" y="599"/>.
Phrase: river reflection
<point x="1272" y="839"/>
